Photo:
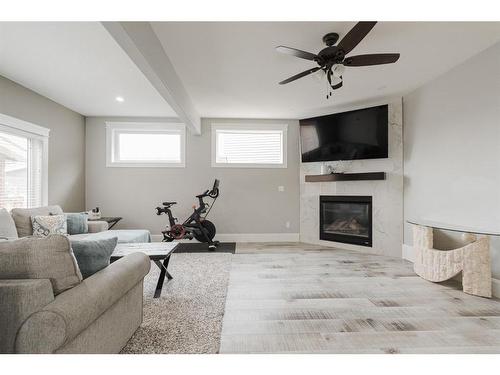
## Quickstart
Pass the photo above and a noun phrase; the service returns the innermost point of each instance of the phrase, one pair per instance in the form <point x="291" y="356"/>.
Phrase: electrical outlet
<point x="287" y="224"/>
<point x="281" y="188"/>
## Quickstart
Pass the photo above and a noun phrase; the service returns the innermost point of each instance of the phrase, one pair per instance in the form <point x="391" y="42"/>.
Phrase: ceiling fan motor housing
<point x="330" y="55"/>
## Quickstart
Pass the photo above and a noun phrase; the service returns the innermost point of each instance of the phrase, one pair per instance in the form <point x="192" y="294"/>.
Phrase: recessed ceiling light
<point x="120" y="99"/>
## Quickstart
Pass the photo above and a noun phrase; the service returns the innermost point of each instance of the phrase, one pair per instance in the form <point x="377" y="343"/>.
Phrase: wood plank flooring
<point x="300" y="298"/>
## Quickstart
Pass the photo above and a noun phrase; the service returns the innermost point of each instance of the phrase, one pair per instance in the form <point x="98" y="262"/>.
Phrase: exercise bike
<point x="195" y="226"/>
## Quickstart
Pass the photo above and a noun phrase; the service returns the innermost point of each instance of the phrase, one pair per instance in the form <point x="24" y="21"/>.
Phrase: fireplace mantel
<point x="345" y="177"/>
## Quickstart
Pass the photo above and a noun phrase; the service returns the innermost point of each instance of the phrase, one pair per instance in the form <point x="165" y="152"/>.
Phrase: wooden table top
<point x="155" y="250"/>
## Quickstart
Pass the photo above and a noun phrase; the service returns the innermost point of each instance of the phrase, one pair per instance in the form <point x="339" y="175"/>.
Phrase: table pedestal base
<point x="473" y="260"/>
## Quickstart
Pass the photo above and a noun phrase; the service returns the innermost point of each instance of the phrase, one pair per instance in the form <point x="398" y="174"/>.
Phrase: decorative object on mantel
<point x="473" y="260"/>
<point x="339" y="166"/>
<point x="346" y="177"/>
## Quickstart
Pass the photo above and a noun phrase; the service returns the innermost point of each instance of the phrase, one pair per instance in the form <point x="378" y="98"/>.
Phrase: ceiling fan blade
<point x="355" y="35"/>
<point x="372" y="59"/>
<point x="297" y="53"/>
<point x="300" y="75"/>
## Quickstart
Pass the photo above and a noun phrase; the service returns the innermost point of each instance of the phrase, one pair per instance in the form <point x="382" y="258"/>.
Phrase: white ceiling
<point x="229" y="69"/>
<point x="78" y="65"/>
<point x="232" y="69"/>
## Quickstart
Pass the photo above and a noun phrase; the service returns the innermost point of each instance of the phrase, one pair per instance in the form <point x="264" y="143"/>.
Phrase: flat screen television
<point x="353" y="135"/>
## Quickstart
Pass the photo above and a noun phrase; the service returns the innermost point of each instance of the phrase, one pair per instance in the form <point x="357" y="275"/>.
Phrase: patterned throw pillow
<point x="45" y="225"/>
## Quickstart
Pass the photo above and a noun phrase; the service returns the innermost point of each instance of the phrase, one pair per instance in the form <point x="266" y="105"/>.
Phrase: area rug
<point x="187" y="318"/>
<point x="196" y="247"/>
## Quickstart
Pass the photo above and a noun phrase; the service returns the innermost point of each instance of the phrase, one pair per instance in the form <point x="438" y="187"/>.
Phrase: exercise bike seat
<point x="169" y="203"/>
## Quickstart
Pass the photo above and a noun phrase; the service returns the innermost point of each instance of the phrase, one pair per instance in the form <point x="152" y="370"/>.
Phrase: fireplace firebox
<point x="346" y="219"/>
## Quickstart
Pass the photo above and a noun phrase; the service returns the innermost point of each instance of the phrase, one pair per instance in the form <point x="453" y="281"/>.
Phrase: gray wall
<point x="452" y="148"/>
<point x="249" y="203"/>
<point x="66" y="142"/>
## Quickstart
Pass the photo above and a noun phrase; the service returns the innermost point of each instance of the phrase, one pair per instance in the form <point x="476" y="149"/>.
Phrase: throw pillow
<point x="77" y="223"/>
<point x="40" y="258"/>
<point x="93" y="255"/>
<point x="52" y="224"/>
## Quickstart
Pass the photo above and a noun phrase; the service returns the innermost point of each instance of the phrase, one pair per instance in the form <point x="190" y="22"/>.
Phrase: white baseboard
<point x="408" y="254"/>
<point x="247" y="237"/>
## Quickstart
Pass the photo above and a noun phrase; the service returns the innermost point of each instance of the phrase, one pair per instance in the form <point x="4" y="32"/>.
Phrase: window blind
<point x="21" y="160"/>
<point x="249" y="146"/>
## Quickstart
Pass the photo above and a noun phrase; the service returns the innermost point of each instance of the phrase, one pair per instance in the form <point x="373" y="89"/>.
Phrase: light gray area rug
<point x="187" y="318"/>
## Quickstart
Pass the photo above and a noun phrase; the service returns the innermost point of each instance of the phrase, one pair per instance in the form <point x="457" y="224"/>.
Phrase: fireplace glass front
<point x="346" y="219"/>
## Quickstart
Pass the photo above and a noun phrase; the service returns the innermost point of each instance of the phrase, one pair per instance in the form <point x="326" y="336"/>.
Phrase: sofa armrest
<point x="97" y="226"/>
<point x="18" y="300"/>
<point x="75" y="309"/>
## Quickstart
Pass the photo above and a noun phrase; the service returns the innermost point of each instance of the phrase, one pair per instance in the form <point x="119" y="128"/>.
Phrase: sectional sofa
<point x="98" y="315"/>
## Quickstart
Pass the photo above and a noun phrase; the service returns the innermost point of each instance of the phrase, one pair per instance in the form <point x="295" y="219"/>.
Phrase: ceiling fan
<point x="332" y="60"/>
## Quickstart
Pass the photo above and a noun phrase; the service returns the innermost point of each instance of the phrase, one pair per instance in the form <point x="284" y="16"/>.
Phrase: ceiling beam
<point x="141" y="44"/>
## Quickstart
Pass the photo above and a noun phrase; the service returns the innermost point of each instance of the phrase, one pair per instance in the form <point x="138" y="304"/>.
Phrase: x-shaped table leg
<point x="163" y="273"/>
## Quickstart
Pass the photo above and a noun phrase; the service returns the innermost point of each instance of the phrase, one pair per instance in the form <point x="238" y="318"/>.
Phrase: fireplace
<point x="346" y="219"/>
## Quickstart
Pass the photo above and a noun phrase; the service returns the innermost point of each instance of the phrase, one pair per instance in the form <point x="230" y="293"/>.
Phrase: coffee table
<point x="157" y="252"/>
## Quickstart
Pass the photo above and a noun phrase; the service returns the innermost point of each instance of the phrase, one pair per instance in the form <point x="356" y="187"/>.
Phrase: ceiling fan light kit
<point x="332" y="60"/>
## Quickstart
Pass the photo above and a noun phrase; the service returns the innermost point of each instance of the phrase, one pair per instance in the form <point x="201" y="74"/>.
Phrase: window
<point x="249" y="146"/>
<point x="23" y="164"/>
<point x="133" y="144"/>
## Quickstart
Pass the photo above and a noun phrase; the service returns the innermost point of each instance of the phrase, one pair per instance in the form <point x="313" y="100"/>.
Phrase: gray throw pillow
<point x="93" y="255"/>
<point x="77" y="223"/>
<point x="40" y="258"/>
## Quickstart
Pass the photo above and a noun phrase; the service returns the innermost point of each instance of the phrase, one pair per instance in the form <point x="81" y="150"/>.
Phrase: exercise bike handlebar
<point x="213" y="193"/>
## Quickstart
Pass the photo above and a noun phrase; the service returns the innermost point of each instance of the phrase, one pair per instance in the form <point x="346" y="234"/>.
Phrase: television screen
<point x="360" y="134"/>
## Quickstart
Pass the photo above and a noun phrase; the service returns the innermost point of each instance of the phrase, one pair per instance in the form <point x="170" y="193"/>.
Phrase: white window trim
<point x="112" y="126"/>
<point x="248" y="126"/>
<point x="27" y="129"/>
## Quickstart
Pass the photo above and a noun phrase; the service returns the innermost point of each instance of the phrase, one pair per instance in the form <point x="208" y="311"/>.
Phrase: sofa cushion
<point x="77" y="223"/>
<point x="40" y="258"/>
<point x="22" y="217"/>
<point x="46" y="225"/>
<point x="7" y="226"/>
<point x="93" y="255"/>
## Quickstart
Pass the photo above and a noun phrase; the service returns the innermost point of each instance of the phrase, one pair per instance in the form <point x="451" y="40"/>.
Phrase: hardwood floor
<point x="300" y="298"/>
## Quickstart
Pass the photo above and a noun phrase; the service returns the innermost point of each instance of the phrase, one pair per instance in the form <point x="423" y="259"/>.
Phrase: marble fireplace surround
<point x="387" y="195"/>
